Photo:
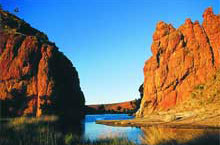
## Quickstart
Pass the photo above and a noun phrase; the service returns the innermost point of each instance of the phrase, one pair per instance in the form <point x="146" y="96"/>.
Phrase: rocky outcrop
<point x="182" y="59"/>
<point x="35" y="77"/>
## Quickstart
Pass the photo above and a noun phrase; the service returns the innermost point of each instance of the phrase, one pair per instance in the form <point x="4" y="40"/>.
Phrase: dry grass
<point x="204" y="96"/>
<point x="44" y="131"/>
<point x="171" y="136"/>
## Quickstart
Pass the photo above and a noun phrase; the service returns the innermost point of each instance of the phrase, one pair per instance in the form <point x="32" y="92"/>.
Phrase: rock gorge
<point x="35" y="77"/>
<point x="181" y="59"/>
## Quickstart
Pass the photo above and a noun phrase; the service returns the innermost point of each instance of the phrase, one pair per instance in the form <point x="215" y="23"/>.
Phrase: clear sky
<point x="108" y="41"/>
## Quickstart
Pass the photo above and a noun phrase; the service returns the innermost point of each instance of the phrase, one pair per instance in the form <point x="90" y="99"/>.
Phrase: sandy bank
<point x="210" y="119"/>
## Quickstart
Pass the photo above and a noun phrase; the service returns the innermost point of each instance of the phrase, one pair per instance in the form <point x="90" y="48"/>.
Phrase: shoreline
<point x="209" y="122"/>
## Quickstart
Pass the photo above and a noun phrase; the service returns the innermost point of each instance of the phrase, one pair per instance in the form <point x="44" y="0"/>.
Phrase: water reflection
<point x="95" y="131"/>
<point x="148" y="135"/>
<point x="172" y="136"/>
<point x="67" y="127"/>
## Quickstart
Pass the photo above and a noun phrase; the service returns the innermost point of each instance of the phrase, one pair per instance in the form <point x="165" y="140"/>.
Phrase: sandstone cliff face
<point x="182" y="59"/>
<point x="35" y="78"/>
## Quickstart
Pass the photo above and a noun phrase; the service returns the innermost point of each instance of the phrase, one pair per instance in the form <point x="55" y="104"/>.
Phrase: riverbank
<point x="49" y="130"/>
<point x="202" y="118"/>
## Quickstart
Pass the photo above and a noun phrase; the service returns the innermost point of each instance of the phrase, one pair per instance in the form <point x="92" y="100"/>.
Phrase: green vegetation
<point x="45" y="131"/>
<point x="101" y="110"/>
<point x="13" y="25"/>
<point x="28" y="131"/>
<point x="206" y="95"/>
<point x="199" y="87"/>
<point x="114" y="141"/>
<point x="119" y="108"/>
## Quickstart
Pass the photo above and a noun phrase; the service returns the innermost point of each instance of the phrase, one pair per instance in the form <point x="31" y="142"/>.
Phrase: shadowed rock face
<point x="182" y="59"/>
<point x="35" y="77"/>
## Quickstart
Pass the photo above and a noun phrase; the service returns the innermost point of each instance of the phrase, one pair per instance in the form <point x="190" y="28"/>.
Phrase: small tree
<point x="119" y="108"/>
<point x="125" y="110"/>
<point x="16" y="10"/>
<point x="101" y="107"/>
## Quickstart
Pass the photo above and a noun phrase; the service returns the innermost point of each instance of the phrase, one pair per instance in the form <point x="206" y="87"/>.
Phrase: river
<point x="95" y="131"/>
<point x="147" y="135"/>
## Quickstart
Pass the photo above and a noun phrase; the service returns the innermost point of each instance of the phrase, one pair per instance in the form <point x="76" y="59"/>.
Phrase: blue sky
<point x="108" y="41"/>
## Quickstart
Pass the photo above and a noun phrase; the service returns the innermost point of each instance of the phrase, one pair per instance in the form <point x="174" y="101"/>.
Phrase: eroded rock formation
<point x="35" y="77"/>
<point x="182" y="59"/>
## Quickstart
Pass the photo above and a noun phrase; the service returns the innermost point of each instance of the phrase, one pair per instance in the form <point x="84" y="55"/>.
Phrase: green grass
<point x="28" y="131"/>
<point x="44" y="131"/>
<point x="114" y="141"/>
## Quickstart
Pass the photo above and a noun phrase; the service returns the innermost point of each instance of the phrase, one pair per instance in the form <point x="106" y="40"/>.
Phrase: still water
<point x="148" y="135"/>
<point x="95" y="131"/>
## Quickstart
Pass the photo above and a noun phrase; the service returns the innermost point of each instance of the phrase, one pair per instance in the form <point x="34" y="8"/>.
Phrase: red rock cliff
<point x="35" y="77"/>
<point x="182" y="59"/>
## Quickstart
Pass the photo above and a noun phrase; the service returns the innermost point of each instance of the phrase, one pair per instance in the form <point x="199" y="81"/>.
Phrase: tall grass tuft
<point x="44" y="131"/>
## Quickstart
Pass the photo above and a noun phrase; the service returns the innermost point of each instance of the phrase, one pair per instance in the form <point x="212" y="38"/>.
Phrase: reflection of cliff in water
<point x="173" y="136"/>
<point x="70" y="127"/>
